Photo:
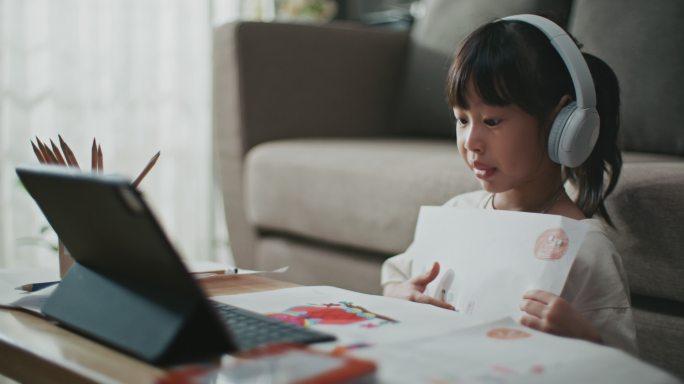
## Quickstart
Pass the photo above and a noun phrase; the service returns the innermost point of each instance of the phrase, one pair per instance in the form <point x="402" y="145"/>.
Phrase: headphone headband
<point x="575" y="129"/>
<point x="571" y="55"/>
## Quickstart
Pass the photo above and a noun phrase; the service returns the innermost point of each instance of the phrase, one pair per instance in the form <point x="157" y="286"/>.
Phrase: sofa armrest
<point x="646" y="208"/>
<point x="276" y="81"/>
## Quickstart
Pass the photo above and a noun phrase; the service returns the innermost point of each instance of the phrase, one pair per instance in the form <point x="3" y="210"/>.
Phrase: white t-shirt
<point x="596" y="285"/>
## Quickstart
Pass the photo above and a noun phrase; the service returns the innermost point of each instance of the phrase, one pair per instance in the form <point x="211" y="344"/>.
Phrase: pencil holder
<point x="65" y="259"/>
<point x="63" y="155"/>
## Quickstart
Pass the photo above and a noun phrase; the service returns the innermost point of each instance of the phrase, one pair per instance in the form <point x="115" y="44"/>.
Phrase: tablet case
<point x="128" y="287"/>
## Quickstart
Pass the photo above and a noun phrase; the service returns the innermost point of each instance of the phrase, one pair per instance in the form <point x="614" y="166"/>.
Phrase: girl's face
<point x="503" y="146"/>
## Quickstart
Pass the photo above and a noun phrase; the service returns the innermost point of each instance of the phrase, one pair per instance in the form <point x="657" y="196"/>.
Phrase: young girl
<point x="506" y="86"/>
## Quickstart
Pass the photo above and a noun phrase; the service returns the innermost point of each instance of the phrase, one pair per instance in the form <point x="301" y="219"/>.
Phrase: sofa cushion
<point x="646" y="208"/>
<point x="643" y="44"/>
<point x="364" y="194"/>
<point x="311" y="264"/>
<point x="434" y="38"/>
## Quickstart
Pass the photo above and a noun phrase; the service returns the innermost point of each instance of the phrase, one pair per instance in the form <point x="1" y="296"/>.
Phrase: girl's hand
<point x="413" y="289"/>
<point x="550" y="313"/>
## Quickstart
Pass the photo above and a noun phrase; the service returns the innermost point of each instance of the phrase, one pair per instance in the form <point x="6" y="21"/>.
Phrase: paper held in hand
<point x="489" y="259"/>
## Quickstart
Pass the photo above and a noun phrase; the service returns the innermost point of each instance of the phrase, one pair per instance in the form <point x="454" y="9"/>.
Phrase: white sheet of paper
<point x="504" y="351"/>
<point x="490" y="258"/>
<point x="353" y="317"/>
<point x="15" y="277"/>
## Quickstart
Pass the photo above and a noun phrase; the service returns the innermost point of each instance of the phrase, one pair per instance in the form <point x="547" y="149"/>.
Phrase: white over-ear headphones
<point x="575" y="129"/>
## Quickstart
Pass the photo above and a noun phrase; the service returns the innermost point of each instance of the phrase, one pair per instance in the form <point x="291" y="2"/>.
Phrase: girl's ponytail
<point x="605" y="162"/>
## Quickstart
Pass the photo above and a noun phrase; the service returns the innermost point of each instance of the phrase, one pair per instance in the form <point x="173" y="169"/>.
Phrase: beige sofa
<point x="329" y="139"/>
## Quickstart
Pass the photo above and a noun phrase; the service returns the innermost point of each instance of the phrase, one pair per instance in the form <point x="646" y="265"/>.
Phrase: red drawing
<point x="342" y="313"/>
<point x="507" y="334"/>
<point x="551" y="244"/>
<point x="503" y="369"/>
<point x="537" y="369"/>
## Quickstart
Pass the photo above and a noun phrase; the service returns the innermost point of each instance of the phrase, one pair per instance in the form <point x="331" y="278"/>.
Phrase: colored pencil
<point x="39" y="155"/>
<point x="100" y="159"/>
<point x="93" y="156"/>
<point x="58" y="155"/>
<point x="147" y="169"/>
<point x="68" y="153"/>
<point x="49" y="158"/>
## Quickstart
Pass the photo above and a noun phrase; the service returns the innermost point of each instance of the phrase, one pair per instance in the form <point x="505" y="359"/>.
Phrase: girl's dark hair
<point x="512" y="62"/>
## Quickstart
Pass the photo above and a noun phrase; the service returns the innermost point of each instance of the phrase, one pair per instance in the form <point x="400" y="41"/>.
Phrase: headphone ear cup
<point x="556" y="132"/>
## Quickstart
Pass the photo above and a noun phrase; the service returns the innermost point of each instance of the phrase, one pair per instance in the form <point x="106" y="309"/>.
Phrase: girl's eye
<point x="492" y="122"/>
<point x="461" y="122"/>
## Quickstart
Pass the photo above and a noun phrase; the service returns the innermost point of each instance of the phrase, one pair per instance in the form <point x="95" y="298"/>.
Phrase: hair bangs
<point x="484" y="63"/>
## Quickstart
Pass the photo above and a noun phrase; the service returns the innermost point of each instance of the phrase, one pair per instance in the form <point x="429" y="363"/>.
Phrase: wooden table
<point x="35" y="350"/>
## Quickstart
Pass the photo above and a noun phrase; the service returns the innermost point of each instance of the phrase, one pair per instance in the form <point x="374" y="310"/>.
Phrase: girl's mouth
<point x="482" y="171"/>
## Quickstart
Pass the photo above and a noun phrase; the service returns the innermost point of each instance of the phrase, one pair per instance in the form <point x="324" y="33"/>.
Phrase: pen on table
<point x="219" y="272"/>
<point x="227" y="271"/>
<point x="144" y="172"/>
<point x="36" y="286"/>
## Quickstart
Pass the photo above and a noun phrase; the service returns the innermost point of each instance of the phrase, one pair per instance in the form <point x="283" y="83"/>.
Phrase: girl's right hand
<point x="413" y="289"/>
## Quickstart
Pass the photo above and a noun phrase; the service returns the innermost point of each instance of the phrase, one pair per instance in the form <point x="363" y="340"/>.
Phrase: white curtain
<point x="136" y="75"/>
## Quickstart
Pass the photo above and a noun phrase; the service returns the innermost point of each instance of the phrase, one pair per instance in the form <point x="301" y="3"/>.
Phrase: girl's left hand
<point x="550" y="313"/>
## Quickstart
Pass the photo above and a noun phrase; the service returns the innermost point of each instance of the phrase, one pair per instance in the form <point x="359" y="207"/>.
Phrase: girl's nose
<point x="473" y="140"/>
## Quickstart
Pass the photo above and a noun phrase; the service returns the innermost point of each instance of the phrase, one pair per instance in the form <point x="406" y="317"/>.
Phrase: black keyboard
<point x="250" y="329"/>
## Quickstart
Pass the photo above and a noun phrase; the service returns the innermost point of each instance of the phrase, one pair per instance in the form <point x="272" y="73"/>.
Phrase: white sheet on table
<point x="471" y="356"/>
<point x="413" y="321"/>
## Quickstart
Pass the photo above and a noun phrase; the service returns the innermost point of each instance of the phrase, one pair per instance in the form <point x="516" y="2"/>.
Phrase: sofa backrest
<point x="644" y="44"/>
<point x="422" y="107"/>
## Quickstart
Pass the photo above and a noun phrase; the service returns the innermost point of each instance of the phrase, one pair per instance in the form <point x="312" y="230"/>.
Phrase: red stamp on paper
<point x="551" y="244"/>
<point x="507" y="334"/>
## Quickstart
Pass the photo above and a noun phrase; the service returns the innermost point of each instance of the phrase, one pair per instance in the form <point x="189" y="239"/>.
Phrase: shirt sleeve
<point x="616" y="326"/>
<point x="597" y="287"/>
<point x="396" y="269"/>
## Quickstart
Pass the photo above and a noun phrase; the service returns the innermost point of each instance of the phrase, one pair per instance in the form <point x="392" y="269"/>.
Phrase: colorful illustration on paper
<point x="497" y="373"/>
<point x="551" y="244"/>
<point x="503" y="370"/>
<point x="507" y="334"/>
<point x="341" y="313"/>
